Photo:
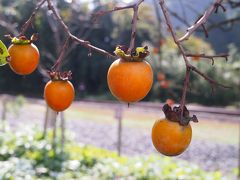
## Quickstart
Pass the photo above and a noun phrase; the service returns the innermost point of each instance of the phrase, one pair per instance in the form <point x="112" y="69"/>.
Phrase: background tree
<point x="89" y="72"/>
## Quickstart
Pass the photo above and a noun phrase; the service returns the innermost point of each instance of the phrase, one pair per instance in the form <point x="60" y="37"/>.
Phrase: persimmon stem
<point x="58" y="63"/>
<point x="185" y="87"/>
<point x="134" y="25"/>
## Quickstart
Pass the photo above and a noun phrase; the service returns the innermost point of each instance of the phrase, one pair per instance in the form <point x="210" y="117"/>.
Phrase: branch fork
<point x="189" y="67"/>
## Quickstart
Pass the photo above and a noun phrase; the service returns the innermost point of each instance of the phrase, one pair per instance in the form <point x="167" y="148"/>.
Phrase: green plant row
<point x="28" y="156"/>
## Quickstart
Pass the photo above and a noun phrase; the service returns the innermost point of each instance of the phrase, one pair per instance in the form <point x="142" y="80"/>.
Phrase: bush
<point x="28" y="156"/>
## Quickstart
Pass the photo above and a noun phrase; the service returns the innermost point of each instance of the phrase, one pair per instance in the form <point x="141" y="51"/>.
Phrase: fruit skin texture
<point x="170" y="138"/>
<point x="59" y="94"/>
<point x="24" y="58"/>
<point x="130" y="81"/>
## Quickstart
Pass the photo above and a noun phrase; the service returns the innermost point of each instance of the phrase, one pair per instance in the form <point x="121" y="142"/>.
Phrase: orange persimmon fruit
<point x="59" y="94"/>
<point x="130" y="81"/>
<point x="24" y="58"/>
<point x="170" y="138"/>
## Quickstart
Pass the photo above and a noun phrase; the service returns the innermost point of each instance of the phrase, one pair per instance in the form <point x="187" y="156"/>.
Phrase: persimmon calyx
<point x="175" y="115"/>
<point x="21" y="40"/>
<point x="60" y="76"/>
<point x="137" y="54"/>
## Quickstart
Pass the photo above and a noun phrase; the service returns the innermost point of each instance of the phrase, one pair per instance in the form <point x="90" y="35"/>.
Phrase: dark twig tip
<point x="205" y="30"/>
<point x="217" y="5"/>
<point x="212" y="61"/>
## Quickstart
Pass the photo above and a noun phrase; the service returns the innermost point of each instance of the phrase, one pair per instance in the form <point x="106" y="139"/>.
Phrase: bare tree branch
<point x="189" y="67"/>
<point x="134" y="25"/>
<point x="201" y="21"/>
<point x="57" y="65"/>
<point x="225" y="56"/>
<point x="210" y="80"/>
<point x="31" y="18"/>
<point x="135" y="8"/>
<point x="86" y="44"/>
<point x="228" y="21"/>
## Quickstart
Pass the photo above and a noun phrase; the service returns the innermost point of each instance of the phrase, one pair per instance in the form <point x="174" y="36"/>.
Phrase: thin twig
<point x="210" y="80"/>
<point x="228" y="21"/>
<point x="86" y="44"/>
<point x="179" y="18"/>
<point x="134" y="25"/>
<point x="31" y="18"/>
<point x="58" y="63"/>
<point x="211" y="57"/>
<point x="185" y="88"/>
<point x="135" y="8"/>
<point x="99" y="14"/>
<point x="170" y="27"/>
<point x="201" y="21"/>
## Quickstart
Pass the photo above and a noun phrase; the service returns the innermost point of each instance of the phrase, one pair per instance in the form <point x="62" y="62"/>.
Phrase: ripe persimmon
<point x="24" y="58"/>
<point x="130" y="81"/>
<point x="59" y="94"/>
<point x="170" y="138"/>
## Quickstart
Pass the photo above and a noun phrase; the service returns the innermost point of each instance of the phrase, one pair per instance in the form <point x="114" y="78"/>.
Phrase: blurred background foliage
<point x="90" y="69"/>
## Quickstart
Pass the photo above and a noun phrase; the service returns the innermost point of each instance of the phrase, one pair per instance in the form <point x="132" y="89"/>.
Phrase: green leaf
<point x="4" y="54"/>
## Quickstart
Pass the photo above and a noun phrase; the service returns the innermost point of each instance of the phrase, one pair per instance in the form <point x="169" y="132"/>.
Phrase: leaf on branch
<point x="4" y="54"/>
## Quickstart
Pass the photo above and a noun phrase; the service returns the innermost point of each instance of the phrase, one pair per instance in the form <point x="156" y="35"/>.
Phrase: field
<point x="214" y="144"/>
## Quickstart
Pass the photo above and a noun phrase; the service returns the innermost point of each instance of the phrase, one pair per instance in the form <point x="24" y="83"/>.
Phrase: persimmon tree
<point x="177" y="114"/>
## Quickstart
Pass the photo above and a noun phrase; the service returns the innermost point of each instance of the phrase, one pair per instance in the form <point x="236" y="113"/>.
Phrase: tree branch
<point x="134" y="25"/>
<point x="208" y="56"/>
<point x="98" y="14"/>
<point x="228" y="21"/>
<point x="31" y="18"/>
<point x="201" y="21"/>
<point x="86" y="44"/>
<point x="135" y="8"/>
<point x="210" y="80"/>
<point x="57" y="65"/>
<point x="189" y="67"/>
